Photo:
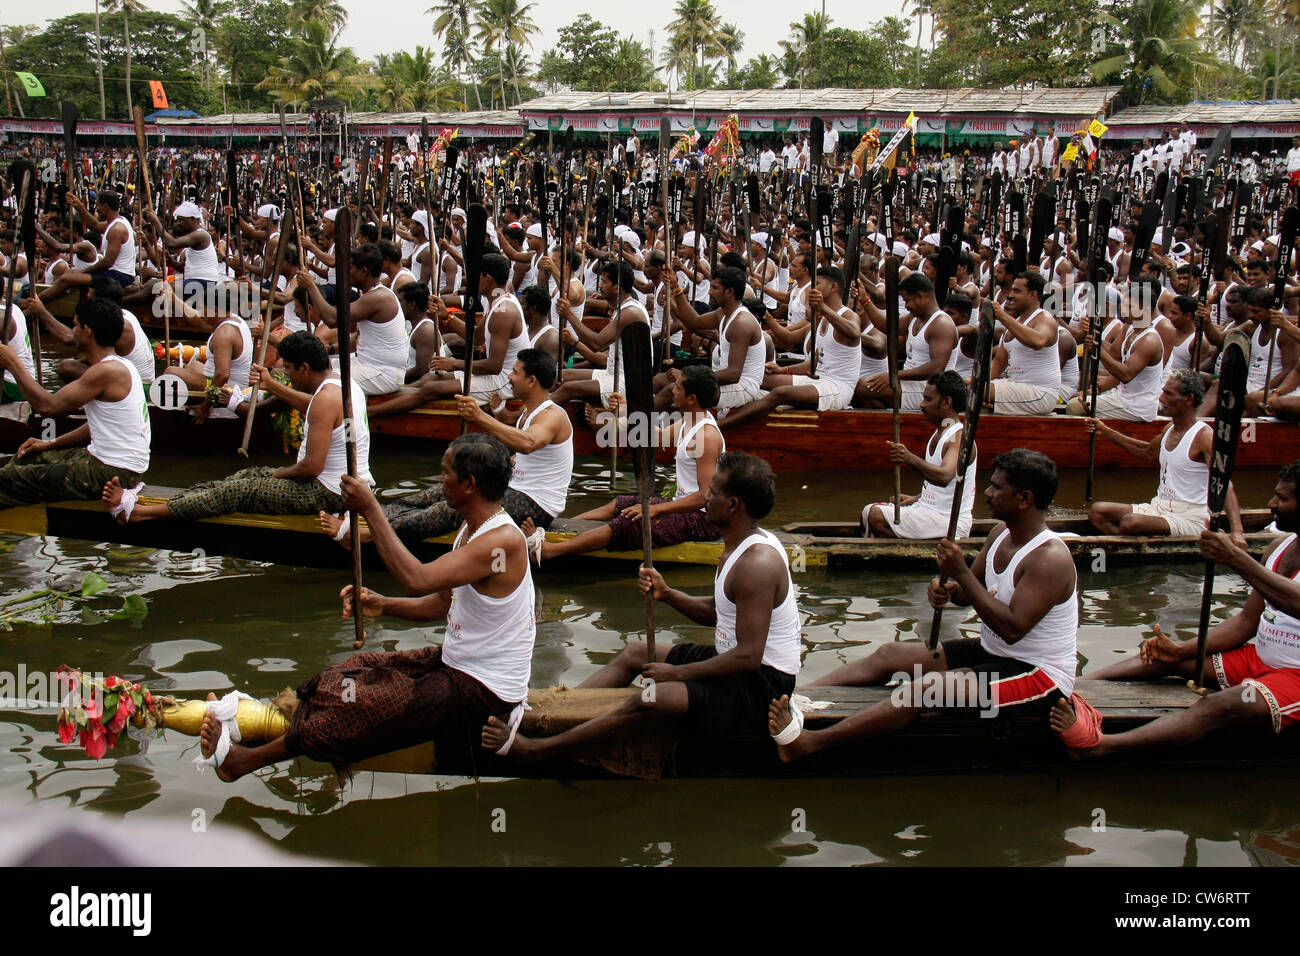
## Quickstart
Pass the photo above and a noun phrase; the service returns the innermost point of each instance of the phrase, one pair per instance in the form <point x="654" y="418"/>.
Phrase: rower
<point x="310" y="485"/>
<point x="1283" y="375"/>
<point x="720" y="690"/>
<point x="741" y="354"/>
<point x="484" y="589"/>
<point x="699" y="443"/>
<point x="132" y="346"/>
<point x="1183" y="448"/>
<point x="928" y="341"/>
<point x="838" y="348"/>
<point x="1130" y="387"/>
<point x="1177" y="328"/>
<point x="116" y="433"/>
<point x="1023" y="585"/>
<point x="598" y="384"/>
<point x="926" y="515"/>
<point x="1253" y="657"/>
<point x="505" y="334"/>
<point x="229" y="361"/>
<point x="1026" y="369"/>
<point x="117" y="250"/>
<point x="541" y="437"/>
<point x="381" y="350"/>
<point x="201" y="273"/>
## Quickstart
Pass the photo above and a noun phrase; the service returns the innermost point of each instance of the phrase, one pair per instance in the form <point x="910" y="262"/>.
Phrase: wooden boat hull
<point x="297" y="540"/>
<point x="65" y="306"/>
<point x="174" y="432"/>
<point x="853" y="441"/>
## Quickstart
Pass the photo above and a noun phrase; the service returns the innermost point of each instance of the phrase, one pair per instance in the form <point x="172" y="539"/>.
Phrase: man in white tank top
<point x="1128" y="384"/>
<point x="1252" y="663"/>
<point x="1023" y="585"/>
<point x="381" y="350"/>
<point x="114" y="441"/>
<point x="1025" y="376"/>
<point x="926" y="515"/>
<point x="1284" y="373"/>
<point x="442" y="693"/>
<point x="308" y="486"/>
<point x="926" y="343"/>
<point x="1183" y="450"/>
<point x="718" y="691"/>
<point x="505" y="335"/>
<point x="201" y="272"/>
<point x="133" y="345"/>
<point x="698" y="441"/>
<point x="230" y="354"/>
<point x="597" y="384"/>
<point x="117" y="255"/>
<point x="740" y="356"/>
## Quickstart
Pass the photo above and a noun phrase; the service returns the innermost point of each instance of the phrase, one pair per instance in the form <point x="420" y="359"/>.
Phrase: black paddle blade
<point x="1286" y="245"/>
<point x="1020" y="252"/>
<point x="1210" y="230"/>
<point x="638" y="379"/>
<point x="954" y="228"/>
<point x="1044" y="215"/>
<point x="1227" y="418"/>
<point x="343" y="267"/>
<point x="891" y="320"/>
<point x="1081" y="234"/>
<point x="1151" y="211"/>
<point x="947" y="269"/>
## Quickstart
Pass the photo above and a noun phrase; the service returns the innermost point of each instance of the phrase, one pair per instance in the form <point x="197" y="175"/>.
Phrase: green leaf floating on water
<point x="132" y="606"/>
<point x="92" y="584"/>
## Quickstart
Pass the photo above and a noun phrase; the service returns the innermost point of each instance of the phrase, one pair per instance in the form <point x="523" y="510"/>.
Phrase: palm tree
<point x="761" y="72"/>
<point x="1236" y="19"/>
<point x="695" y="27"/>
<point x="502" y="23"/>
<point x="730" y="39"/>
<point x="127" y="7"/>
<point x="329" y="12"/>
<point x="801" y="47"/>
<point x="99" y="61"/>
<point x="1161" y="50"/>
<point x="202" y="14"/>
<point x="920" y="8"/>
<point x="316" y="68"/>
<point x="630" y="68"/>
<point x="452" y="25"/>
<point x="413" y="81"/>
<point x="678" y="60"/>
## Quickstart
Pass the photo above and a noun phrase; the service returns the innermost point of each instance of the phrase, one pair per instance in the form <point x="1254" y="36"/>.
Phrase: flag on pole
<point x="1097" y="128"/>
<point x="1071" y="153"/>
<point x="1089" y="147"/>
<point x="159" y="94"/>
<point x="911" y="121"/>
<point x="30" y="83"/>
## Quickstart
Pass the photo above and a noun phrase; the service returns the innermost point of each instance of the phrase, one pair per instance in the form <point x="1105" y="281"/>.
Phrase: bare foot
<point x="778" y="718"/>
<point x="331" y="524"/>
<point x="1062" y="719"/>
<point x="495" y="734"/>
<point x="112" y="497"/>
<point x="237" y="762"/>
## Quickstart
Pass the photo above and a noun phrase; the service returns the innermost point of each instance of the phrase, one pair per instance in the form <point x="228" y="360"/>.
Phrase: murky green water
<point x="219" y="624"/>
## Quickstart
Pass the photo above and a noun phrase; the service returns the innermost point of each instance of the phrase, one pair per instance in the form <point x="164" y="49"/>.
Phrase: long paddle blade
<point x="638" y="372"/>
<point x="475" y="233"/>
<point x="1227" y="430"/>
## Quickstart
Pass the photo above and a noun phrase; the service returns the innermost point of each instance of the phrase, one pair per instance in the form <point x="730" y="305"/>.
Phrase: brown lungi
<point x="665" y="530"/>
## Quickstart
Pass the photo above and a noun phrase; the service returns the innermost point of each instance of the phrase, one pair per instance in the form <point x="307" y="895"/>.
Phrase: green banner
<point x="30" y="83"/>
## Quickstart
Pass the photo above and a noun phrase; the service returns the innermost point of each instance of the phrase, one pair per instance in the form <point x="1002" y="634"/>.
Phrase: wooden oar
<point x="1096" y="321"/>
<point x="1227" y="429"/>
<point x="345" y="277"/>
<point x="891" y="345"/>
<point x="475" y="235"/>
<point x="665" y="133"/>
<point x="343" y="267"/>
<point x="1286" y="242"/>
<point x="618" y="354"/>
<point x="638" y="385"/>
<point x="966" y="456"/>
<point x="1210" y="228"/>
<point x="23" y="172"/>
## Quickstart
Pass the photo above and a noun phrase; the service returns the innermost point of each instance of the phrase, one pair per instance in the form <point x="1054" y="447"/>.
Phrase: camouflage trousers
<point x="254" y="490"/>
<point x="58" y="475"/>
<point x="426" y="513"/>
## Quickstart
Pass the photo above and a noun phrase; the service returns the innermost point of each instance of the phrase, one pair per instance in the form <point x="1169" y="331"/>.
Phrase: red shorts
<point x="1295" y="178"/>
<point x="1280" y="687"/>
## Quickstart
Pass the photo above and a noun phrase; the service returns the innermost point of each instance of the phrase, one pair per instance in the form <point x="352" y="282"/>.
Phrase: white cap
<point x="422" y="217"/>
<point x="986" y="243"/>
<point x="1274" y="240"/>
<point x="458" y="212"/>
<point x="688" y="240"/>
<point x="187" y="210"/>
<point x="625" y="233"/>
<point x="1257" y="245"/>
<point x="1116" y="234"/>
<point x="332" y="214"/>
<point x="269" y="211"/>
<point x="759" y="238"/>
<point x="933" y="239"/>
<point x="880" y="240"/>
<point x="1180" y="250"/>
<point x="535" y="231"/>
<point x="900" y="248"/>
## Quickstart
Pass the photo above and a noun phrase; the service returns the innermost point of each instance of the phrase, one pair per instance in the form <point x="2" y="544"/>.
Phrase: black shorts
<point x="732" y="706"/>
<point x="1020" y="689"/>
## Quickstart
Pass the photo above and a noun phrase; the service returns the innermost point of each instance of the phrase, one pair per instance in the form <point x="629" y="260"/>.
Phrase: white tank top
<point x="535" y="337"/>
<point x="410" y="344"/>
<point x="1180" y="356"/>
<point x="960" y="362"/>
<point x="1142" y="392"/>
<point x="797" y="310"/>
<point x="543" y="475"/>
<point x="417" y="267"/>
<point x="141" y="354"/>
<point x="614" y="347"/>
<point x="784" y="635"/>
<point x="838" y="363"/>
<point x="657" y="317"/>
<point x="491" y="639"/>
<point x="1041" y="367"/>
<point x="383" y="344"/>
<point x="1277" y="640"/>
<point x="1181" y="478"/>
<point x="202" y="263"/>
<point x="1052" y="643"/>
<point x="939" y="497"/>
<point x="20" y="341"/>
<point x="336" y="459"/>
<point x="751" y="373"/>
<point x="918" y="348"/>
<point x="517" y="343"/>
<point x="579" y="310"/>
<point x="119" y="431"/>
<point x="531" y="276"/>
<point x="292" y="323"/>
<point x="1070" y="370"/>
<point x="1259" y="359"/>
<point x="241" y="364"/>
<point x="125" y="261"/>
<point x="688" y="476"/>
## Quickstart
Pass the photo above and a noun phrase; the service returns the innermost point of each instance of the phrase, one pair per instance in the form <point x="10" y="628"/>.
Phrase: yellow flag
<point x="1097" y="128"/>
<point x="911" y="120"/>
<point x="1070" y="153"/>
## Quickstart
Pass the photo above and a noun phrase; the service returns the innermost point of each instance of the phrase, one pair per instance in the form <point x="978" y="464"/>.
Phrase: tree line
<point x="250" y="55"/>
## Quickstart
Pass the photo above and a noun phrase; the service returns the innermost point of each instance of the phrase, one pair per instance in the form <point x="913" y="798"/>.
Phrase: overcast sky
<point x="765" y="22"/>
